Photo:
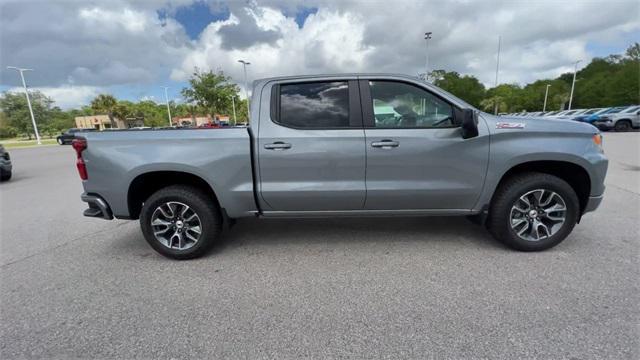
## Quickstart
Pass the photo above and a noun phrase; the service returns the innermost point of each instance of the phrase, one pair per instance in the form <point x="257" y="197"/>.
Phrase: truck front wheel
<point x="533" y="211"/>
<point x="180" y="222"/>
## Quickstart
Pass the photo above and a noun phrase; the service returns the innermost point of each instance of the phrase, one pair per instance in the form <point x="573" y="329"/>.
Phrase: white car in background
<point x="620" y="120"/>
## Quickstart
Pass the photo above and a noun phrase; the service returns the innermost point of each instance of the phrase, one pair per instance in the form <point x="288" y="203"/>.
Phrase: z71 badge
<point x="509" y="125"/>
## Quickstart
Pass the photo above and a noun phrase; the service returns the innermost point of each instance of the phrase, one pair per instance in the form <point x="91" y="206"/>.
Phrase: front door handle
<point x="278" y="145"/>
<point x="385" y="144"/>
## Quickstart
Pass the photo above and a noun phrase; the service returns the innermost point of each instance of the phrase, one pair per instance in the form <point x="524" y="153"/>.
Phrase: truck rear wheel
<point x="533" y="211"/>
<point x="180" y="222"/>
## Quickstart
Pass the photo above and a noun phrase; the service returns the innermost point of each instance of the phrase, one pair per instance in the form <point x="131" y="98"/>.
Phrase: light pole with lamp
<point x="427" y="37"/>
<point x="26" y="93"/>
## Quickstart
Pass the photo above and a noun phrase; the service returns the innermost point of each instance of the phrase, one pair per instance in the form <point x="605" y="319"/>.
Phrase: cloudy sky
<point x="131" y="48"/>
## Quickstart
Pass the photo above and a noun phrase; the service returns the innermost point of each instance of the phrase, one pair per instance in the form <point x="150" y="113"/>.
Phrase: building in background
<point x="101" y="122"/>
<point x="200" y="120"/>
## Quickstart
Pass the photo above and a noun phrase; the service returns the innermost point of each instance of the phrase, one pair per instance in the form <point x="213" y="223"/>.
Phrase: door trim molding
<point x="366" y="213"/>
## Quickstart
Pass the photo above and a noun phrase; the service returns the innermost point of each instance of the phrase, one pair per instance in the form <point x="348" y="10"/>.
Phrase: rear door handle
<point x="278" y="145"/>
<point x="385" y="144"/>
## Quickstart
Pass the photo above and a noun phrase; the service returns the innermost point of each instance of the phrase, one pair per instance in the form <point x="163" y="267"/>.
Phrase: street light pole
<point x="573" y="83"/>
<point x="544" y="107"/>
<point x="427" y="37"/>
<point x="166" y="98"/>
<point x="246" y="84"/>
<point x="26" y="93"/>
<point x="233" y="104"/>
<point x="497" y="71"/>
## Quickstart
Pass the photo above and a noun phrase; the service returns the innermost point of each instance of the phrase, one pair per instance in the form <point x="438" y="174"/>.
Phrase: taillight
<point x="79" y="145"/>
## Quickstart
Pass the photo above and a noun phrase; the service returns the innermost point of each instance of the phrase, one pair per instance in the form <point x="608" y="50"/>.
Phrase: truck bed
<point x="221" y="157"/>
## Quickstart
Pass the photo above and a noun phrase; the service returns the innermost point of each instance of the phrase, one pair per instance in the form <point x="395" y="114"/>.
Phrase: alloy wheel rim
<point x="176" y="225"/>
<point x="538" y="215"/>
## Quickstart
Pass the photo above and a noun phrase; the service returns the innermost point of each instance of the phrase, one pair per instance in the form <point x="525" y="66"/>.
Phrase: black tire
<point x="202" y="204"/>
<point x="508" y="194"/>
<point x="623" y="125"/>
<point x="5" y="175"/>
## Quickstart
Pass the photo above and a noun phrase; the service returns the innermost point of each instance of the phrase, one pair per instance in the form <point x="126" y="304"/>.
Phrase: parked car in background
<point x="5" y="164"/>
<point x="590" y="115"/>
<point x="65" y="138"/>
<point x="619" y="119"/>
<point x="348" y="145"/>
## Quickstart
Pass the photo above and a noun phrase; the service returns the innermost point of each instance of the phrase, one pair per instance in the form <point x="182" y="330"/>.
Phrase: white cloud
<point x="100" y="44"/>
<point x="95" y="44"/>
<point x="540" y="39"/>
<point x="66" y="96"/>
<point x="330" y="41"/>
<point x="130" y="20"/>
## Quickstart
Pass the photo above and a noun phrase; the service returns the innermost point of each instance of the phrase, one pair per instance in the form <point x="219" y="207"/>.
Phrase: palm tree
<point x="108" y="104"/>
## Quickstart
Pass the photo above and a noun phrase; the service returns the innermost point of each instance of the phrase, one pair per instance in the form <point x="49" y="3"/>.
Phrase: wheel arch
<point x="575" y="175"/>
<point x="145" y="184"/>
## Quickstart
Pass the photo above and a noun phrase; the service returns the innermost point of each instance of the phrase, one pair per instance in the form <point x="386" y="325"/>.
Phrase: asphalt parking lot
<point x="74" y="287"/>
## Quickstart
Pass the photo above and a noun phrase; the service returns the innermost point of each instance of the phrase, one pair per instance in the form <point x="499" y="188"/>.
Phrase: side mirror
<point x="468" y="120"/>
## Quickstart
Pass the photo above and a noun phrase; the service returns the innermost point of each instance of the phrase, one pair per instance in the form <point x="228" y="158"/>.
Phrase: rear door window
<point x="314" y="105"/>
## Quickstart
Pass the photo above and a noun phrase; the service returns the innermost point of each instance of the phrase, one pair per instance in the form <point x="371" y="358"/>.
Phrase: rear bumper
<point x="98" y="207"/>
<point x="593" y="203"/>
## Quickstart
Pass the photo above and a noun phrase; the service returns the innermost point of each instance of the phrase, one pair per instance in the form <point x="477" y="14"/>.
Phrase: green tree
<point x="107" y="104"/>
<point x="154" y="114"/>
<point x="633" y="52"/>
<point x="466" y="87"/>
<point x="492" y="103"/>
<point x="510" y="97"/>
<point x="242" y="113"/>
<point x="6" y="130"/>
<point x="211" y="91"/>
<point x="15" y="109"/>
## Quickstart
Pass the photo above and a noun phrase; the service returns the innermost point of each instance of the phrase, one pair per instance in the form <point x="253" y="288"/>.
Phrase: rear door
<point x="416" y="156"/>
<point x="311" y="148"/>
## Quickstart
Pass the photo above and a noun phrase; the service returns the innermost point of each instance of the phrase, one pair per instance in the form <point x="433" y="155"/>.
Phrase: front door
<point x="311" y="149"/>
<point x="416" y="156"/>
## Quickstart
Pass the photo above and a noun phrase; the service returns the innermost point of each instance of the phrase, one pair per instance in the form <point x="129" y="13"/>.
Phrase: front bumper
<point x="603" y="124"/>
<point x="98" y="207"/>
<point x="5" y="165"/>
<point x="593" y="203"/>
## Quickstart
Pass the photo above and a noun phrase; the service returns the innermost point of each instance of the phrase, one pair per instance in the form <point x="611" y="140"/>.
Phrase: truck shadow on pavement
<point x="455" y="231"/>
<point x="440" y="232"/>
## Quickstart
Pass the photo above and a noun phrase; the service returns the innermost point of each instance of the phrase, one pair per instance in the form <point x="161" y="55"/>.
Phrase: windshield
<point x="630" y="110"/>
<point x="616" y="110"/>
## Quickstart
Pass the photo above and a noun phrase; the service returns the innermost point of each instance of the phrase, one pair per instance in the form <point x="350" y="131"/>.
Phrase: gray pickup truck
<point x="347" y="145"/>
